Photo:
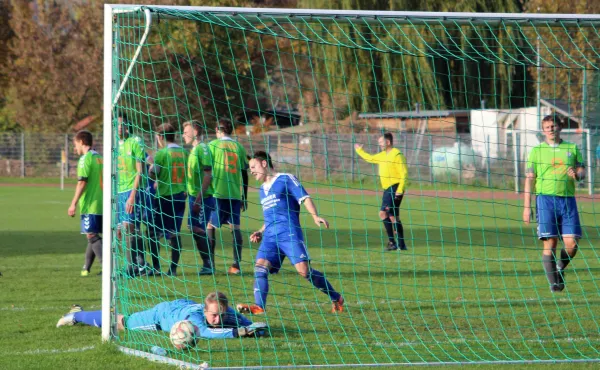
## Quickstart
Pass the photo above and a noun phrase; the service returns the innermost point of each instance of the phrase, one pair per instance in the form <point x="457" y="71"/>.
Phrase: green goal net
<point x="463" y="96"/>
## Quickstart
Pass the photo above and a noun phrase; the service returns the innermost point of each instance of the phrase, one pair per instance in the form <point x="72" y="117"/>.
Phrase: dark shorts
<point x="557" y="217"/>
<point x="389" y="203"/>
<point x="168" y="214"/>
<point x="275" y="249"/>
<point x="201" y="218"/>
<point x="226" y="211"/>
<point x="91" y="224"/>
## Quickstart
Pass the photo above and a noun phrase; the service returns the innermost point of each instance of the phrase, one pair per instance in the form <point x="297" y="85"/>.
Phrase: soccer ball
<point x="184" y="334"/>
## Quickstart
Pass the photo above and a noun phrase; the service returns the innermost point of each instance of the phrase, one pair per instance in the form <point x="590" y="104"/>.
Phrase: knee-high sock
<point x="238" y="244"/>
<point x="320" y="282"/>
<point x="96" y="243"/>
<point x="261" y="286"/>
<point x="89" y="257"/>
<point x="387" y="223"/>
<point x="138" y="258"/>
<point x="203" y="246"/>
<point x="154" y="247"/>
<point x="210" y="235"/>
<point x="175" y="243"/>
<point x="550" y="268"/>
<point x="400" y="231"/>
<point x="565" y="258"/>
<point x="91" y="318"/>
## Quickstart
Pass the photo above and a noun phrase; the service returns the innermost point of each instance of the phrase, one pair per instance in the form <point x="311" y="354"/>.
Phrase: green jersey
<point x="89" y="169"/>
<point x="229" y="160"/>
<point x="198" y="161"/>
<point x="130" y="152"/>
<point x="169" y="165"/>
<point x="550" y="164"/>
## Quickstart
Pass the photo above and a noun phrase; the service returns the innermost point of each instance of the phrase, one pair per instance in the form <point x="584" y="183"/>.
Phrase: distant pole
<point x="430" y="140"/>
<point x="63" y="159"/>
<point x="459" y="159"/>
<point x="489" y="170"/>
<point x="269" y="144"/>
<point x="516" y="143"/>
<point x="538" y="86"/>
<point x="583" y="100"/>
<point x="23" y="154"/>
<point x="67" y="154"/>
<point x="482" y="104"/>
<point x="352" y="157"/>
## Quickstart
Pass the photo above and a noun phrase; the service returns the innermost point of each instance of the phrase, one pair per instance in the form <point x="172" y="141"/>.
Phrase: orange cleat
<point x="234" y="271"/>
<point x="250" y="309"/>
<point x="338" y="306"/>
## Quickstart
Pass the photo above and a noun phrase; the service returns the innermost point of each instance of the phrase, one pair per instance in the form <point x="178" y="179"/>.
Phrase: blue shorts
<point x="226" y="211"/>
<point x="91" y="224"/>
<point x="141" y="198"/>
<point x="275" y="249"/>
<point x="557" y="217"/>
<point x="168" y="215"/>
<point x="389" y="203"/>
<point x="203" y="217"/>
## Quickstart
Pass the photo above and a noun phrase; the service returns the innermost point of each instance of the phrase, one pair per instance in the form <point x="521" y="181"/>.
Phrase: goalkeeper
<point x="214" y="318"/>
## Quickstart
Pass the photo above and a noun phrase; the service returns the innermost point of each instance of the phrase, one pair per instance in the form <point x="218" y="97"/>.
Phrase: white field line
<point x="48" y="351"/>
<point x="64" y="308"/>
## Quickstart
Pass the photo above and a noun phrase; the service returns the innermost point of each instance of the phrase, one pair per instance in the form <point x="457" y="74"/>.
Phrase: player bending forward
<point x="214" y="318"/>
<point x="281" y="235"/>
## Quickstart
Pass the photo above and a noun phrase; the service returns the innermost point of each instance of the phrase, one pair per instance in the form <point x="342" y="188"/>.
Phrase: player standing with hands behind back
<point x="553" y="166"/>
<point x="88" y="194"/>
<point x="393" y="173"/>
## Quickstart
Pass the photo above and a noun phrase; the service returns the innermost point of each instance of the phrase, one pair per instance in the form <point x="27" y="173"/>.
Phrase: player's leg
<point x="91" y="226"/>
<point x="197" y="225"/>
<point x="387" y="202"/>
<point x="173" y="226"/>
<point x="238" y="241"/>
<point x="571" y="233"/>
<point x="297" y="252"/>
<point x="268" y="261"/>
<point x="548" y="233"/>
<point x="395" y="218"/>
<point x="155" y="231"/>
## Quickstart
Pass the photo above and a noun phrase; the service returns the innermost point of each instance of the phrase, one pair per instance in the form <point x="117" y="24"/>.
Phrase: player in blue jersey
<point x="214" y="318"/>
<point x="281" y="234"/>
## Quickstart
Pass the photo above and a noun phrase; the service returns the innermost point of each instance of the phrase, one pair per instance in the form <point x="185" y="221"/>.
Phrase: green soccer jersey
<point x="199" y="160"/>
<point x="89" y="169"/>
<point x="131" y="151"/>
<point x="229" y="160"/>
<point x="550" y="164"/>
<point x="170" y="164"/>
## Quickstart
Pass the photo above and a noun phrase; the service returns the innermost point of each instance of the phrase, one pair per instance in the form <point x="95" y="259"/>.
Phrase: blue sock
<point x="261" y="286"/>
<point x="318" y="280"/>
<point x="91" y="318"/>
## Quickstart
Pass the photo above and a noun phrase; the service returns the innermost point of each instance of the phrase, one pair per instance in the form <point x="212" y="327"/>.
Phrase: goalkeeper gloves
<point x="258" y="329"/>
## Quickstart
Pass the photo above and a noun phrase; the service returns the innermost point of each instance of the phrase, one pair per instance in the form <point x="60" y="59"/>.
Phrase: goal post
<point x="307" y="85"/>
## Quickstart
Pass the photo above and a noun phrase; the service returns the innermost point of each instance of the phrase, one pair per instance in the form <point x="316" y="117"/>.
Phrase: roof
<point x="561" y="107"/>
<point x="416" y="114"/>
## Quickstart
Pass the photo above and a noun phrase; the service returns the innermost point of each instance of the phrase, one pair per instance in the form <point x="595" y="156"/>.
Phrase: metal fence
<point x="439" y="158"/>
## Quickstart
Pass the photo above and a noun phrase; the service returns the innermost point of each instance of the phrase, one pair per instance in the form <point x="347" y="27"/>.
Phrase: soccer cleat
<point x="171" y="273"/>
<point x="206" y="271"/>
<point x="555" y="288"/>
<point x="69" y="318"/>
<point x="234" y="271"/>
<point x="403" y="246"/>
<point x="391" y="246"/>
<point x="85" y="273"/>
<point x="338" y="306"/>
<point x="250" y="309"/>
<point x="561" y="279"/>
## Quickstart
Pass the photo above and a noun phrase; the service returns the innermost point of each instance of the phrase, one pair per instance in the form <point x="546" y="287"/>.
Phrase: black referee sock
<point x="175" y="243"/>
<point x="400" y="231"/>
<point x="389" y="229"/>
<point x="238" y="245"/>
<point x="550" y="268"/>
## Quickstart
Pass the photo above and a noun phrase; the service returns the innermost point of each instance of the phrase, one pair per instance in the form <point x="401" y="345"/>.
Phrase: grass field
<point x="471" y="288"/>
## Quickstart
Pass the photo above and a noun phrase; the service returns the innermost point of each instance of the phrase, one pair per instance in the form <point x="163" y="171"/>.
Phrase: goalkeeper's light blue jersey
<point x="280" y="199"/>
<point x="165" y="315"/>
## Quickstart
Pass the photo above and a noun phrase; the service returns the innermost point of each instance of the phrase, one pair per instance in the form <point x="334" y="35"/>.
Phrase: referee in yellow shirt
<point x="393" y="173"/>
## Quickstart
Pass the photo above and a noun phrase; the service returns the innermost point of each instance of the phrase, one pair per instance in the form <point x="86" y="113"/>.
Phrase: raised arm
<point x="370" y="158"/>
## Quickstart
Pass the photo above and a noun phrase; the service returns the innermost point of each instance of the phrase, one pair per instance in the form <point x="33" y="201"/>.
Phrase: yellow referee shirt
<point x="392" y="167"/>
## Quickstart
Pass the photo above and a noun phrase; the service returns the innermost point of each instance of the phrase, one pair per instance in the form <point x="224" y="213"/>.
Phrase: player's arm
<point x="578" y="173"/>
<point x="529" y="185"/>
<point x="312" y="209"/>
<point x="129" y="205"/>
<point x="403" y="174"/>
<point x="256" y="236"/>
<point x="81" y="184"/>
<point x="370" y="158"/>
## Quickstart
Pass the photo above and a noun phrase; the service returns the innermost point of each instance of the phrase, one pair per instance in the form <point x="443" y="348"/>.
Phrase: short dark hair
<point x="389" y="136"/>
<point x="167" y="131"/>
<point x="85" y="137"/>
<point x="263" y="156"/>
<point x="225" y="125"/>
<point x="553" y="118"/>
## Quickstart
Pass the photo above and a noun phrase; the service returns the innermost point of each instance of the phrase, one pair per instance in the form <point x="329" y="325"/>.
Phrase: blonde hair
<point x="195" y="125"/>
<point x="217" y="297"/>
